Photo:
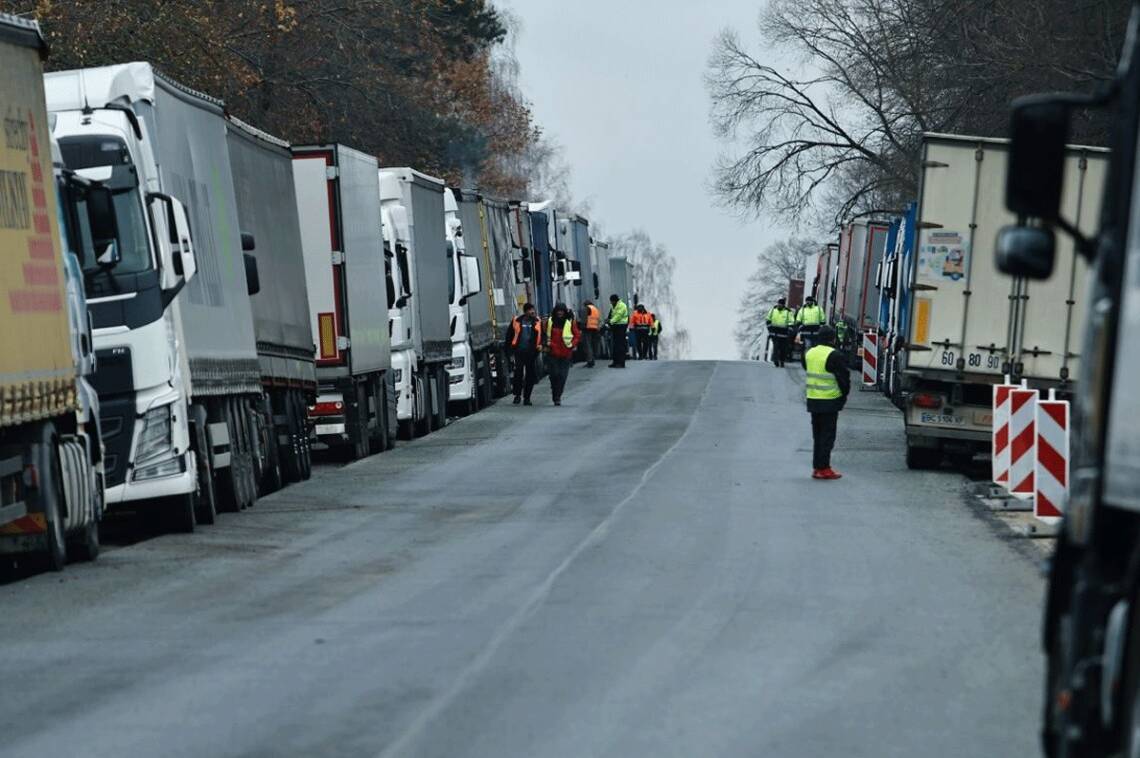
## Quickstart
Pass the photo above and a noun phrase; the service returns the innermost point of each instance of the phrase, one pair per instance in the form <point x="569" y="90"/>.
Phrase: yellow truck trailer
<point x="50" y="450"/>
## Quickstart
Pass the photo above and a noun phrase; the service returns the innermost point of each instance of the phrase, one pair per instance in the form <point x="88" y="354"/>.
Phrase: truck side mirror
<point x="471" y="275"/>
<point x="1039" y="131"/>
<point x="182" y="241"/>
<point x="1027" y="251"/>
<point x="252" y="279"/>
<point x="248" y="243"/>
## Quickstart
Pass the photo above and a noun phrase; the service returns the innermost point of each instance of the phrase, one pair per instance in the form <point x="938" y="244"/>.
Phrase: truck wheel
<point x="250" y="467"/>
<point x="291" y="454"/>
<point x="272" y="475"/>
<point x="922" y="458"/>
<point x="207" y="496"/>
<point x="86" y="546"/>
<point x="51" y="495"/>
<point x="381" y="440"/>
<point x="487" y="389"/>
<point x="227" y="485"/>
<point x="421" y="406"/>
<point x="439" y="410"/>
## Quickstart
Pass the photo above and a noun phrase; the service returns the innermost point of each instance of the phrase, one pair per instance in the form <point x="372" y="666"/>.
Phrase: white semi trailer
<point x="339" y="210"/>
<point x="968" y="325"/>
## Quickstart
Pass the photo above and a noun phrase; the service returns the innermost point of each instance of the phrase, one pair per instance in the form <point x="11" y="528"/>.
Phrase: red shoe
<point x="830" y="473"/>
<point x="819" y="473"/>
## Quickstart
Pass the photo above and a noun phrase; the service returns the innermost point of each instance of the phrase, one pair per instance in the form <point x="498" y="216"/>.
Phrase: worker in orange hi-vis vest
<point x="593" y="328"/>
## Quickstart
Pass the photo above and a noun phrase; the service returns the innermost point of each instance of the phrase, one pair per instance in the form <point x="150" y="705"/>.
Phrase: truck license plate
<point x="942" y="419"/>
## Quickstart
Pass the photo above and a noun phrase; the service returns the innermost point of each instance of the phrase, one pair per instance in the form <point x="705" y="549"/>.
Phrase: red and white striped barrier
<point x="1001" y="432"/>
<point x="1051" y="473"/>
<point x="1022" y="441"/>
<point x="870" y="358"/>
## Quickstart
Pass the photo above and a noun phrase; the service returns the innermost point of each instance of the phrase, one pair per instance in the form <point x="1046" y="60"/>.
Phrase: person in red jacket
<point x="561" y="337"/>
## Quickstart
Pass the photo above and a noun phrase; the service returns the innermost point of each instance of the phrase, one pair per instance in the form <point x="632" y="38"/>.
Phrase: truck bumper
<point x="460" y="372"/>
<point x="149" y="489"/>
<point x="402" y="364"/>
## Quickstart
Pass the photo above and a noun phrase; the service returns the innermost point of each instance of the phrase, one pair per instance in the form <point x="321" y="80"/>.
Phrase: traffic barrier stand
<point x="870" y="359"/>
<point x="1051" y="474"/>
<point x="1000" y="432"/>
<point x="1022" y="442"/>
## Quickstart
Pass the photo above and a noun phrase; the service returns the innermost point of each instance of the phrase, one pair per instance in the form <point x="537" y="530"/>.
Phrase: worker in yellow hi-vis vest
<point x="826" y="389"/>
<point x="780" y="321"/>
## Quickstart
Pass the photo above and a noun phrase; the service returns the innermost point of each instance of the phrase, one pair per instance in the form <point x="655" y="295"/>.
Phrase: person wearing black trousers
<point x="828" y="383"/>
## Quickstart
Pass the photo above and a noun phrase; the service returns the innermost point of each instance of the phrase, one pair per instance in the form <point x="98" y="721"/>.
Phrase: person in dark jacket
<point x="562" y="336"/>
<point x="826" y="389"/>
<point x="524" y="340"/>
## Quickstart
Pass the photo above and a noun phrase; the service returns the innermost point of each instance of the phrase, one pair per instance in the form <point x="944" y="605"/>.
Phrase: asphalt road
<point x="645" y="571"/>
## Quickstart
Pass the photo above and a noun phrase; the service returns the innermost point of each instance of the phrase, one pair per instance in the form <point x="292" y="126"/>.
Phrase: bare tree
<point x="779" y="263"/>
<point x="653" y="269"/>
<point x="845" y="134"/>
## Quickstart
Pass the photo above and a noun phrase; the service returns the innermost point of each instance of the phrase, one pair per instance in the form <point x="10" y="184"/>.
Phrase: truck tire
<point x="487" y="387"/>
<point x="51" y="496"/>
<point x="380" y="440"/>
<point x="306" y="440"/>
<point x="227" y="482"/>
<point x="207" y="496"/>
<point x="922" y="458"/>
<point x="421" y="406"/>
<point x="249" y="469"/>
<point x="85" y="546"/>
<point x="358" y="447"/>
<point x="439" y="406"/>
<point x="292" y="452"/>
<point x="272" y="475"/>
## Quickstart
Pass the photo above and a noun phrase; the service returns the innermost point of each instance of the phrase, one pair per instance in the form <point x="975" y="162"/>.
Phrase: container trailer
<point x="54" y="227"/>
<point x="338" y="208"/>
<point x="262" y="170"/>
<point x="413" y="221"/>
<point x="179" y="378"/>
<point x="544" y="269"/>
<point x="967" y="323"/>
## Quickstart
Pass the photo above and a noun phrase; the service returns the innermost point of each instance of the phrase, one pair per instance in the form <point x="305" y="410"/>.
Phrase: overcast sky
<point x="619" y="84"/>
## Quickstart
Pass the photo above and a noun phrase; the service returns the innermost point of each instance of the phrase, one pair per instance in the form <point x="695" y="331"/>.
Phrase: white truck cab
<point x="464" y="281"/>
<point x="411" y="392"/>
<point x="143" y="375"/>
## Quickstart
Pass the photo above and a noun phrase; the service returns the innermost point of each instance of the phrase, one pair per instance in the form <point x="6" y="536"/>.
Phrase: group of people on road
<point x="784" y="325"/>
<point x="827" y="381"/>
<point x="559" y="336"/>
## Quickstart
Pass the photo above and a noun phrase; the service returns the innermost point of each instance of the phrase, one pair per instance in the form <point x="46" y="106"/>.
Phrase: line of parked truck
<point x="191" y="305"/>
<point x="948" y="324"/>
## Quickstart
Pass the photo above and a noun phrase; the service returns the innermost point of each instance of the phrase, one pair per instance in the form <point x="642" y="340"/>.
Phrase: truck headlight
<point x="168" y="467"/>
<point x="397" y="375"/>
<point x="459" y="362"/>
<point x="154" y="440"/>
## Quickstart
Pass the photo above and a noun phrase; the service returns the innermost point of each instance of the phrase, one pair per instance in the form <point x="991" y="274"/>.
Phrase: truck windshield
<point x="94" y="152"/>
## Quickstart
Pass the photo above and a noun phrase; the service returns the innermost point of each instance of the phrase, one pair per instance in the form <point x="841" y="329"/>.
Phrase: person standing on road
<point x="562" y="337"/>
<point x="524" y="340"/>
<point x="827" y="386"/>
<point x="618" y="322"/>
<point x="808" y="321"/>
<point x="641" y="323"/>
<point x="593" y="340"/>
<point x="779" y="329"/>
<point x="654" y="335"/>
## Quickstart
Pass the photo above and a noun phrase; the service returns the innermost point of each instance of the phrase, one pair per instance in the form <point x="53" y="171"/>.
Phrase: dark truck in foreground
<point x="1091" y="631"/>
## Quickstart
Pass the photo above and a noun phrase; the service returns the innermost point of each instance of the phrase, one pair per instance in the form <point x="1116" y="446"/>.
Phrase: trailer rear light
<point x="334" y="408"/>
<point x="926" y="400"/>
